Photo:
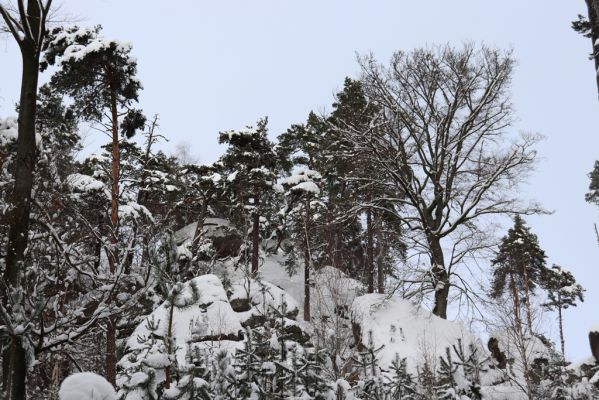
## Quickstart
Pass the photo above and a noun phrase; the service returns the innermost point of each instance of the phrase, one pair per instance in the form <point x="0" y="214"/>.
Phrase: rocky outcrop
<point x="496" y="353"/>
<point x="226" y="239"/>
<point x="404" y="329"/>
<point x="594" y="343"/>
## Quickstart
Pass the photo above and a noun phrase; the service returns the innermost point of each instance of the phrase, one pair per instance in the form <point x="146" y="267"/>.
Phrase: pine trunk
<point x="307" y="263"/>
<point x="561" y="326"/>
<point x="369" y="251"/>
<point x="516" y="301"/>
<point x="113" y="253"/>
<point x="255" y="237"/>
<point x="527" y="300"/>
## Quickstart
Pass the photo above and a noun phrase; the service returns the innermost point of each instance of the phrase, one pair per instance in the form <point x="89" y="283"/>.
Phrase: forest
<point x="337" y="260"/>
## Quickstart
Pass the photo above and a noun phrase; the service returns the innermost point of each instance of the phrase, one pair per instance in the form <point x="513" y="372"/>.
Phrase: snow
<point x="309" y="187"/>
<point x="86" y="386"/>
<point x="406" y="330"/>
<point x="8" y="130"/>
<point x="77" y="52"/>
<point x="503" y="392"/>
<point x="246" y="132"/>
<point x="303" y="181"/>
<point x="231" y="177"/>
<point x="84" y="183"/>
<point x="134" y="210"/>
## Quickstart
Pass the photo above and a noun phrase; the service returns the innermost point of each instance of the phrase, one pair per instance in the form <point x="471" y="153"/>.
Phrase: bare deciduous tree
<point x="440" y="141"/>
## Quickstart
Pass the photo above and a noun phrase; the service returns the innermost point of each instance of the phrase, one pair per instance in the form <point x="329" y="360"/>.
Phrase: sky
<point x="209" y="66"/>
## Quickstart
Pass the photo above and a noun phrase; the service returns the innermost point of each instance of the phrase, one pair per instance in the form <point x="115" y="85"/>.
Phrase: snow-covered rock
<point x="86" y="386"/>
<point x="202" y="312"/>
<point x="405" y="329"/>
<point x="251" y="298"/>
<point x="225" y="238"/>
<point x="8" y="130"/>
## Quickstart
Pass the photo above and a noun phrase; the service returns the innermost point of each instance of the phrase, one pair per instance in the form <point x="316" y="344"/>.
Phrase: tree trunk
<point x="369" y="251"/>
<point x="561" y="326"/>
<point x="113" y="257"/>
<point x="380" y="252"/>
<point x="516" y="300"/>
<point x="527" y="300"/>
<point x="19" y="217"/>
<point x="441" y="277"/>
<point x="255" y="237"/>
<point x="307" y="263"/>
<point x="167" y="370"/>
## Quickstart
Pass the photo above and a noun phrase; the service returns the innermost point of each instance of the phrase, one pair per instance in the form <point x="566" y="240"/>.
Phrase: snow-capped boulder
<point x="86" y="386"/>
<point x="594" y="341"/>
<point x="198" y="316"/>
<point x="252" y="298"/>
<point x="201" y="312"/>
<point x="225" y="238"/>
<point x="404" y="329"/>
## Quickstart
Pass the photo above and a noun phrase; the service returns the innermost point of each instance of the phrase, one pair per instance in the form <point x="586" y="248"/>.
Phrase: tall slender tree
<point x="250" y="162"/>
<point x="302" y="191"/>
<point x="562" y="291"/>
<point x="28" y="28"/>
<point x="100" y="76"/>
<point x="519" y="264"/>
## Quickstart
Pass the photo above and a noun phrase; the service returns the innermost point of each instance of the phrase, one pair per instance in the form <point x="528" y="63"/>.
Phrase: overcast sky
<point x="209" y="66"/>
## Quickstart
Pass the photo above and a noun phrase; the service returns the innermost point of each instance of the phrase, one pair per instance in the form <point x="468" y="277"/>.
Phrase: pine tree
<point x="519" y="265"/>
<point x="368" y="363"/>
<point x="399" y="384"/>
<point x="250" y="164"/>
<point x="100" y="76"/>
<point x="447" y="388"/>
<point x="302" y="193"/>
<point x="472" y="366"/>
<point x="563" y="291"/>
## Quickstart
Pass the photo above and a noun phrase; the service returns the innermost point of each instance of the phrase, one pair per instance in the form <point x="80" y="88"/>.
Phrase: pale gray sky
<point x="215" y="65"/>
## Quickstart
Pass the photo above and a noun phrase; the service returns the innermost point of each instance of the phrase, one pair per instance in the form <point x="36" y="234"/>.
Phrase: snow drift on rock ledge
<point x="406" y="330"/>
